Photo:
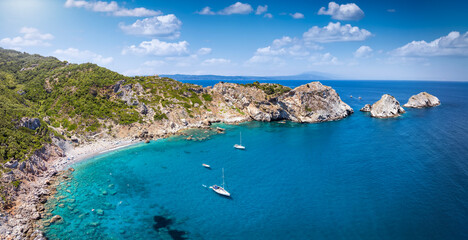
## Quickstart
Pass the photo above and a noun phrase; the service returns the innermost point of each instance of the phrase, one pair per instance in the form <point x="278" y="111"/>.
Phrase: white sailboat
<point x="220" y="190"/>
<point x="239" y="146"/>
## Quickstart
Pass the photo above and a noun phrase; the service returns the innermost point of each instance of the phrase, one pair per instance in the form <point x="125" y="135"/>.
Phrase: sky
<point x="367" y="39"/>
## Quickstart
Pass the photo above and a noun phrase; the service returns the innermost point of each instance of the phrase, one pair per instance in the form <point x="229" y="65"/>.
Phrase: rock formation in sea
<point x="422" y="100"/>
<point x="366" y="108"/>
<point x="312" y="102"/>
<point x="386" y="107"/>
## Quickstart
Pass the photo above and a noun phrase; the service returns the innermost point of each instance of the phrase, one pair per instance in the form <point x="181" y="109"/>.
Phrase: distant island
<point x="304" y="76"/>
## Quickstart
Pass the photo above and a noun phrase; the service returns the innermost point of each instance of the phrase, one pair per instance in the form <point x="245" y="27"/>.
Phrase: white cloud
<point x="454" y="44"/>
<point x="363" y="52"/>
<point x="31" y="37"/>
<point x="268" y="15"/>
<point x="258" y="59"/>
<point x="160" y="26"/>
<point x="136" y="12"/>
<point x="297" y="15"/>
<point x="216" y="61"/>
<point x="335" y="32"/>
<point x="206" y="11"/>
<point x="348" y="11"/>
<point x="282" y="48"/>
<point x="261" y="9"/>
<point x="158" y="48"/>
<point x="154" y="63"/>
<point x="324" y="59"/>
<point x="111" y="7"/>
<point x="204" y="51"/>
<point x="75" y="55"/>
<point x="237" y="8"/>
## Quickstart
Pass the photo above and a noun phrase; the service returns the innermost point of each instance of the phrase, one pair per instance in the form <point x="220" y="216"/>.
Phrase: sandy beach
<point x="88" y="150"/>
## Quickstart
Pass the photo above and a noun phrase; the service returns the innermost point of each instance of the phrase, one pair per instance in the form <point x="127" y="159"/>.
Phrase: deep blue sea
<point x="357" y="178"/>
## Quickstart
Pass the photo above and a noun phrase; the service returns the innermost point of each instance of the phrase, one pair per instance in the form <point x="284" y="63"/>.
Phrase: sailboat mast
<point x="223" y="177"/>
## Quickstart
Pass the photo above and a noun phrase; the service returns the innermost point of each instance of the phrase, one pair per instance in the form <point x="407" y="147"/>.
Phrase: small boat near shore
<point x="220" y="190"/>
<point x="239" y="146"/>
<point x="206" y="165"/>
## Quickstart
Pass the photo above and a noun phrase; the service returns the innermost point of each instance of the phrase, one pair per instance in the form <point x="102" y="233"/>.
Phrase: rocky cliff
<point x="309" y="103"/>
<point x="386" y="107"/>
<point x="21" y="199"/>
<point x="313" y="102"/>
<point x="422" y="100"/>
<point x="366" y="108"/>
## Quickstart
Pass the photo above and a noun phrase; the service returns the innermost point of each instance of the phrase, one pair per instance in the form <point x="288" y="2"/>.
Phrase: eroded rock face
<point x="31" y="123"/>
<point x="386" y="107"/>
<point x="366" y="108"/>
<point x="422" y="100"/>
<point x="313" y="102"/>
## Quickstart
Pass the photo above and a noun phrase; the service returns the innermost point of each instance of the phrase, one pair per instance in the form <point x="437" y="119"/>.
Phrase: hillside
<point x="77" y="101"/>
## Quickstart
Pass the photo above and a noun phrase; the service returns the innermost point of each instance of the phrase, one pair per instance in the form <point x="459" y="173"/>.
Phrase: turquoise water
<point x="358" y="178"/>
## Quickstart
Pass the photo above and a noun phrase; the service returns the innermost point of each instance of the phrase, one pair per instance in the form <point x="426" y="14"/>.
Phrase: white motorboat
<point x="239" y="146"/>
<point x="206" y="165"/>
<point x="220" y="190"/>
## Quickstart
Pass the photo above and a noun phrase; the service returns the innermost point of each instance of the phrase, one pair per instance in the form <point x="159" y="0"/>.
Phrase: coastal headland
<point x="56" y="113"/>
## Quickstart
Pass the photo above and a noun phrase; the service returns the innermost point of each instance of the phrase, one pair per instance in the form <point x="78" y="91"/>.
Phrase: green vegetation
<point x="207" y="97"/>
<point x="74" y="97"/>
<point x="158" y="115"/>
<point x="16" y="183"/>
<point x="270" y="89"/>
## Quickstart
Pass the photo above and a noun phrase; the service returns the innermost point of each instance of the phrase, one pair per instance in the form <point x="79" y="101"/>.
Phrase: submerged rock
<point x="177" y="234"/>
<point x="55" y="219"/>
<point x="366" y="108"/>
<point x="100" y="212"/>
<point x="386" y="107"/>
<point x="161" y="222"/>
<point x="422" y="100"/>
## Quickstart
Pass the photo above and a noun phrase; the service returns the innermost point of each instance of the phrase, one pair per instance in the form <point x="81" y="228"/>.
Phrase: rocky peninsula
<point x="70" y="112"/>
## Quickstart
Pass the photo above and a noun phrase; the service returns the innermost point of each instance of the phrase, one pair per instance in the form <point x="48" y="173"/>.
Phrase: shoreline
<point x="85" y="151"/>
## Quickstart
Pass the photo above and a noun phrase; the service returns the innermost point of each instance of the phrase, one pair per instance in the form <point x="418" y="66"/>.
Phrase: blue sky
<point x="386" y="39"/>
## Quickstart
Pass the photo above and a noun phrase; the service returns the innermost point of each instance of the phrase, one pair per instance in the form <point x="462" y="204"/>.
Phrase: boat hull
<point x="240" y="147"/>
<point x="221" y="191"/>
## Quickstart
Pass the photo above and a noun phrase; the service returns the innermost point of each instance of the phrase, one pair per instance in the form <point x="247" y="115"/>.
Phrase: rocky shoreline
<point x="25" y="219"/>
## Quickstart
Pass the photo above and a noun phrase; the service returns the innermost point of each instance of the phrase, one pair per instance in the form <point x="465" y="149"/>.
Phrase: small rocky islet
<point x="389" y="107"/>
<point x="422" y="100"/>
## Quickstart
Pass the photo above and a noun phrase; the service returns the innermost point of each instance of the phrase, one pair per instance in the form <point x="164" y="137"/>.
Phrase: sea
<point x="356" y="178"/>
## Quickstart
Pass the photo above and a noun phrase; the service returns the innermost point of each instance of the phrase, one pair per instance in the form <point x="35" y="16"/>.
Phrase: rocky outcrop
<point x="386" y="107"/>
<point x="422" y="100"/>
<point x="366" y="108"/>
<point x="31" y="123"/>
<point x="313" y="102"/>
<point x="309" y="103"/>
<point x="22" y="200"/>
